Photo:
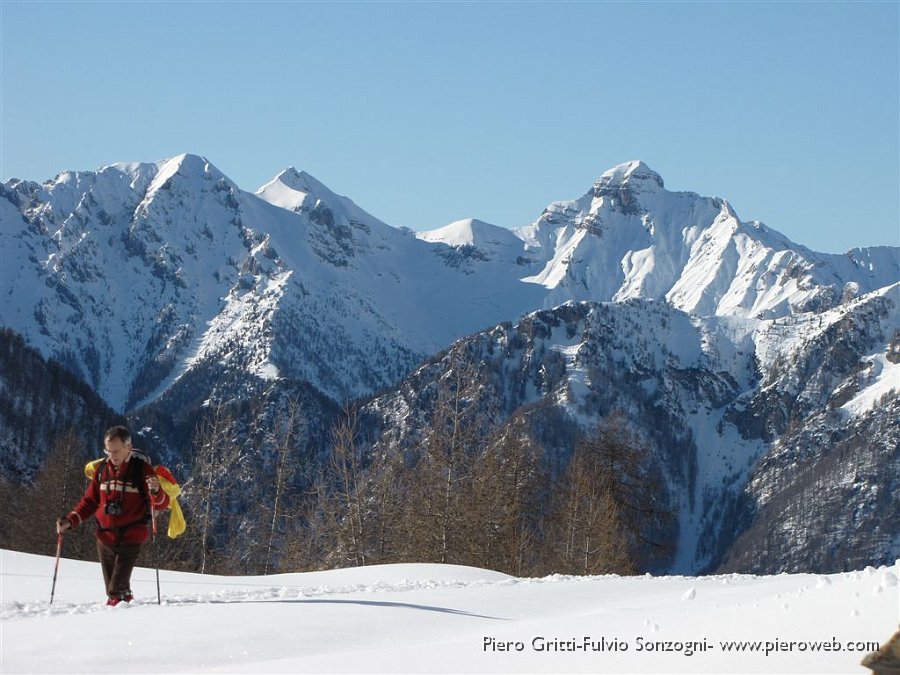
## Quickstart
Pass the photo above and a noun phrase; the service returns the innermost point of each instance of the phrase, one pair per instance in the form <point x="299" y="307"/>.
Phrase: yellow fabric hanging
<point x="91" y="468"/>
<point x="177" y="524"/>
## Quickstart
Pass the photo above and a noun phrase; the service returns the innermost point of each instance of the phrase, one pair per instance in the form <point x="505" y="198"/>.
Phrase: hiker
<point x="122" y="489"/>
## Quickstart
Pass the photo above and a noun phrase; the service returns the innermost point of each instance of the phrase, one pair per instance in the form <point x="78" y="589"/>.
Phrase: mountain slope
<point x="751" y="364"/>
<point x="134" y="274"/>
<point x="116" y="273"/>
<point x="630" y="237"/>
<point x="40" y="402"/>
<point x="728" y="408"/>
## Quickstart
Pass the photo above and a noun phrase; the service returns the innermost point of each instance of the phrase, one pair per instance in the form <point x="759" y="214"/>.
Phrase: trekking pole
<point x="59" y="539"/>
<point x="156" y="550"/>
<point x="59" y="535"/>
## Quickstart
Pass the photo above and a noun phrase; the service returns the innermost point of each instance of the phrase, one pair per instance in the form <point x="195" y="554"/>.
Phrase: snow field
<point x="439" y="618"/>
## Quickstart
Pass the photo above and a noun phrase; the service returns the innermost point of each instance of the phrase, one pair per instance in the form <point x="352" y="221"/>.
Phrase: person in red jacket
<point x="121" y="493"/>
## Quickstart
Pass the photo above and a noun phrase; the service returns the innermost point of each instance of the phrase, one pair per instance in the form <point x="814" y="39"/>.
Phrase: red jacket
<point x="112" y="485"/>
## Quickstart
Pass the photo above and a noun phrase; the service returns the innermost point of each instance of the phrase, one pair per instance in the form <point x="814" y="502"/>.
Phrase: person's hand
<point x="62" y="525"/>
<point x="153" y="484"/>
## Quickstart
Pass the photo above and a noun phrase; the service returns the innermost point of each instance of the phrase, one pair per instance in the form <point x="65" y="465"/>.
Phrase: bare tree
<point x="216" y="454"/>
<point x="289" y="436"/>
<point x="592" y="539"/>
<point x="508" y="482"/>
<point x="331" y="527"/>
<point x="311" y="538"/>
<point x="435" y="515"/>
<point x="29" y="511"/>
<point x="359" y="499"/>
<point x="386" y="479"/>
<point x="350" y="489"/>
<point x="608" y="508"/>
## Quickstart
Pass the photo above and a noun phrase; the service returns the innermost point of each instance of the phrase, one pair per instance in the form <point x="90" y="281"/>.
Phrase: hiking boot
<point x="113" y="601"/>
<point x="128" y="597"/>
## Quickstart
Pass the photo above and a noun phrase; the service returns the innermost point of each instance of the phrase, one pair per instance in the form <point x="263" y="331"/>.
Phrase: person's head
<point x="117" y="442"/>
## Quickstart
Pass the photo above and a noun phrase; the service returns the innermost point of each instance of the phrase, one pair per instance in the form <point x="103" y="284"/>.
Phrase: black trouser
<point x="117" y="563"/>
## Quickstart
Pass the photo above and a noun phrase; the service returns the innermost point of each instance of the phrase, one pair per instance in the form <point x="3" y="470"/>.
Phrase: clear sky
<point x="425" y="113"/>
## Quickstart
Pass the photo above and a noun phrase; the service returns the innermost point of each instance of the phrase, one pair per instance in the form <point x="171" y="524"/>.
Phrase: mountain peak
<point x="300" y="181"/>
<point x="291" y="189"/>
<point x="188" y="163"/>
<point x="632" y="174"/>
<point x="192" y="168"/>
<point x="299" y="191"/>
<point x="290" y="177"/>
<point x="472" y="232"/>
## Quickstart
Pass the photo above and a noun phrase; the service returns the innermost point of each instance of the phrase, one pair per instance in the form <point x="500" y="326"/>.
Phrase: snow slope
<point x="438" y="618"/>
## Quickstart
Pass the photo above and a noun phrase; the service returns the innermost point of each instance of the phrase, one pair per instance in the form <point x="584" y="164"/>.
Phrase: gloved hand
<point x="62" y="525"/>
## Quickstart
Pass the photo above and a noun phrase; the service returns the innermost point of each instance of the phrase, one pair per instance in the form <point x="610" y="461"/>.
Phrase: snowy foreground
<point x="441" y="618"/>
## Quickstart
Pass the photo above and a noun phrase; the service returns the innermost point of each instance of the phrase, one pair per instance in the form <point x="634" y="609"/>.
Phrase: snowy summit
<point x="634" y="174"/>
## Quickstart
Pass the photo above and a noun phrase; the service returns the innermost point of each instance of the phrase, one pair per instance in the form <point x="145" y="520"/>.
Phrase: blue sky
<point x="424" y="113"/>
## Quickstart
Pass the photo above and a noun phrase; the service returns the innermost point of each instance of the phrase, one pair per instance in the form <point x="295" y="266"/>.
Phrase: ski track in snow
<point x="267" y="592"/>
<point x="18" y="610"/>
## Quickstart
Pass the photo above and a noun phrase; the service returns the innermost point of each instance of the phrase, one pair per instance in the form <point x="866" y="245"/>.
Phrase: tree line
<point x="471" y="489"/>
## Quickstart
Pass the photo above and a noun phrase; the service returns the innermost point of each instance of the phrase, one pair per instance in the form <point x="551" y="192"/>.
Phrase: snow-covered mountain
<point x="629" y="237"/>
<point x="748" y="421"/>
<point x="136" y="274"/>
<point x="753" y="365"/>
